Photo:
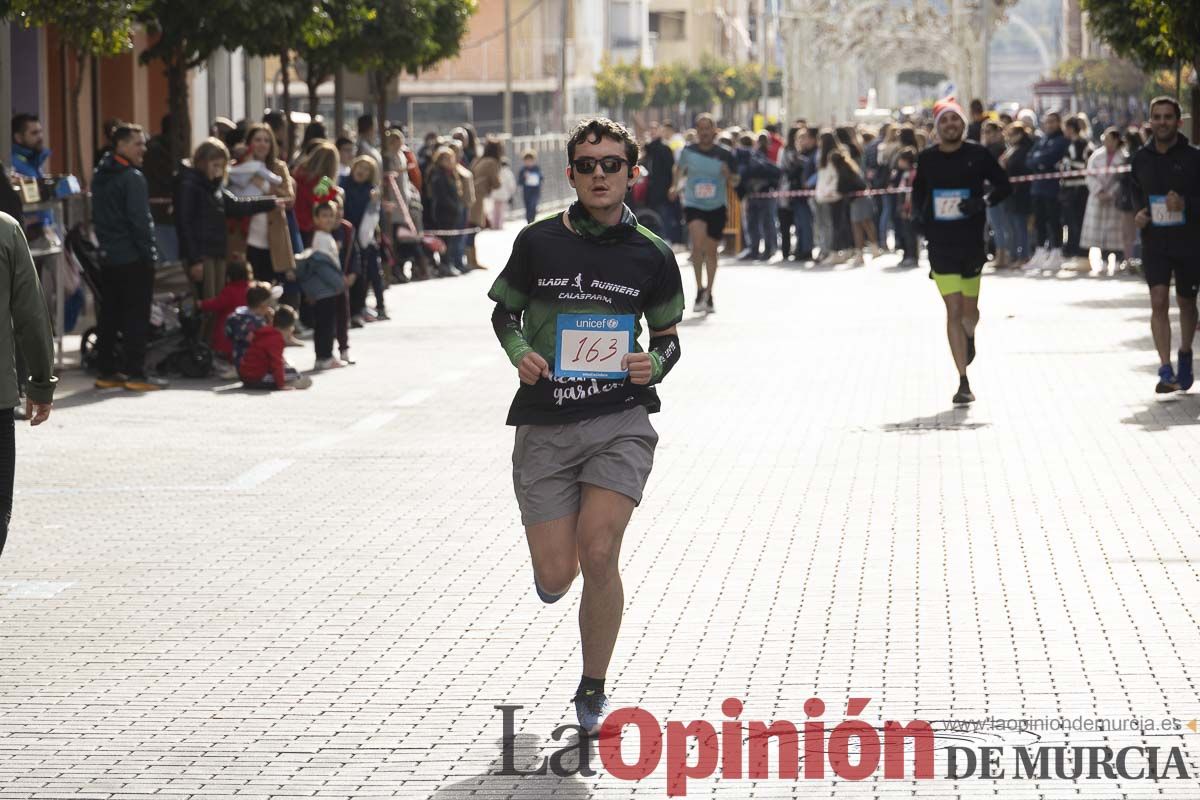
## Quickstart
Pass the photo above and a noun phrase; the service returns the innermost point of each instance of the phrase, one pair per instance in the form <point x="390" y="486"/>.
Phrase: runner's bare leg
<point x="603" y="516"/>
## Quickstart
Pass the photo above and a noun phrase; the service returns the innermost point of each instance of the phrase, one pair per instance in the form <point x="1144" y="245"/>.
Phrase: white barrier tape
<point x="1040" y="176"/>
<point x="453" y="232"/>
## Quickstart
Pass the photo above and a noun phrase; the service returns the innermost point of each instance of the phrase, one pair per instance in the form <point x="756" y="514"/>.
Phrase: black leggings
<point x="785" y="229"/>
<point x="325" y="325"/>
<point x="8" y="458"/>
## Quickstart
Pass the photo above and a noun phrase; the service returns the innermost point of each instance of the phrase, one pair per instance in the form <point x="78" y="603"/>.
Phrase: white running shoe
<point x="1037" y="259"/>
<point x="1054" y="260"/>
<point x="701" y="297"/>
<point x="323" y="364"/>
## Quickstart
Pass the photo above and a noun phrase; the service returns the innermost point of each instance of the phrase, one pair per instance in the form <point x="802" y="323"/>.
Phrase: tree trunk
<point x="313" y="100"/>
<point x="77" y="92"/>
<point x="381" y="92"/>
<point x="339" y="99"/>
<point x="177" y="100"/>
<point x="1195" y="93"/>
<point x="285" y="60"/>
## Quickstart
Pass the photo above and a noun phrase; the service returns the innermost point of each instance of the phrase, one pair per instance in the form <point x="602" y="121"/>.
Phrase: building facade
<point x="37" y="76"/>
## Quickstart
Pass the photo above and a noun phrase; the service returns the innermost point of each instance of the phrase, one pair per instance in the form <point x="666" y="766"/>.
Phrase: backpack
<point x="318" y="275"/>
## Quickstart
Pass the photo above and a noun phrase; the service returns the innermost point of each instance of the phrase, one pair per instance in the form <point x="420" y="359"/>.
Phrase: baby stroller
<point x="174" y="341"/>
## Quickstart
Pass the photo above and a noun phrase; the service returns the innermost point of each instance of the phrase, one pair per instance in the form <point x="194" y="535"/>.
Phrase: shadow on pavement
<point x="89" y="395"/>
<point x="527" y="756"/>
<point x="1164" y="415"/>
<point x="953" y="420"/>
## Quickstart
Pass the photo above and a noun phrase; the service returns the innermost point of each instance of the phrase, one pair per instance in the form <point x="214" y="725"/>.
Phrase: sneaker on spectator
<point x="381" y="314"/>
<point x="356" y="321"/>
<point x="224" y="370"/>
<point x="368" y="315"/>
<point x="345" y="357"/>
<point x="323" y="364"/>
<point x="146" y="384"/>
<point x="112" y="380"/>
<point x="1054" y="260"/>
<point x="1037" y="259"/>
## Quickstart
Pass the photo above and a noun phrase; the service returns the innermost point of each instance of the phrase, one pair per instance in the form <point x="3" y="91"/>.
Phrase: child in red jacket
<point x="263" y="366"/>
<point x="237" y="282"/>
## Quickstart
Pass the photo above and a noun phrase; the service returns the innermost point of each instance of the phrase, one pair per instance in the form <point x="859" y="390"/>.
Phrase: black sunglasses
<point x="610" y="165"/>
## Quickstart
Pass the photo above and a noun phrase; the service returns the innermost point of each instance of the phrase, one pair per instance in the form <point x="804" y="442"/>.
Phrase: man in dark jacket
<point x="802" y="211"/>
<point x="121" y="218"/>
<point x="1047" y="214"/>
<point x="1166" y="181"/>
<point x="658" y="158"/>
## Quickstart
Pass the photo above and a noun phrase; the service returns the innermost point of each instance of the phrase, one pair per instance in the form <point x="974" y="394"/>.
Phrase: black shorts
<point x="957" y="259"/>
<point x="1158" y="271"/>
<point x="714" y="219"/>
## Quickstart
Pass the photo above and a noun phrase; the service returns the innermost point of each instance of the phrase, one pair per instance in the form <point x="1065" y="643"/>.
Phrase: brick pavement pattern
<point x="209" y="593"/>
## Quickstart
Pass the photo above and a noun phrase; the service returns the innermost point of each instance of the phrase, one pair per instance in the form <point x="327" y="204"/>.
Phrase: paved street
<point x="212" y="593"/>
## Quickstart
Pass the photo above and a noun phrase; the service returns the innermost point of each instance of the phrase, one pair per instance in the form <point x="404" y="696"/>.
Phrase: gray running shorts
<point x="613" y="451"/>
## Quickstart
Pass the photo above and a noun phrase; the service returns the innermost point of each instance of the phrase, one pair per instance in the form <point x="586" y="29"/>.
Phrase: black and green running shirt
<point x="553" y="271"/>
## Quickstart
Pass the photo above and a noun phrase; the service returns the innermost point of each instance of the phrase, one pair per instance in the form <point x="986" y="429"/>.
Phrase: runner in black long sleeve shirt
<point x="948" y="199"/>
<point x="1166" y="182"/>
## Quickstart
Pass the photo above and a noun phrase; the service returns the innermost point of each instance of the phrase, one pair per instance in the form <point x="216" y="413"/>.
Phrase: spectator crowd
<point x="284" y="241"/>
<point x="798" y="190"/>
<point x="278" y="243"/>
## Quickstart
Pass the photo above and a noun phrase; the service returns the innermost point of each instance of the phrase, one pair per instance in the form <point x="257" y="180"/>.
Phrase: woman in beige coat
<point x="466" y="193"/>
<point x="266" y="241"/>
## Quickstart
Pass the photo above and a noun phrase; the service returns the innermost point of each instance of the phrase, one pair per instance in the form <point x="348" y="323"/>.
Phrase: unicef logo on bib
<point x="593" y="345"/>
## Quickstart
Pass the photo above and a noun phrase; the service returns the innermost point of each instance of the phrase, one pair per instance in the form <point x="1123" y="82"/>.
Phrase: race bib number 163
<point x="593" y="345"/>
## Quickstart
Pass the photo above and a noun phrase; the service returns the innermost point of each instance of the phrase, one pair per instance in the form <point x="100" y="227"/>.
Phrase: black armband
<point x="664" y="352"/>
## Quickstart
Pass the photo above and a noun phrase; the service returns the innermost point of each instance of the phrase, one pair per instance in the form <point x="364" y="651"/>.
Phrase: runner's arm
<point x="664" y="352"/>
<point x="995" y="174"/>
<point x="507" y="325"/>
<point x="677" y="173"/>
<point x="652" y="366"/>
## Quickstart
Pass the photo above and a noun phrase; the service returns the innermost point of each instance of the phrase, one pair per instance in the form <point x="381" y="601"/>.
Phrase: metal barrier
<point x="551" y="149"/>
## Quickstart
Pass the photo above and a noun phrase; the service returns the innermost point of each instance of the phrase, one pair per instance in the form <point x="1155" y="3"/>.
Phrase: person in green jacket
<point x="24" y="324"/>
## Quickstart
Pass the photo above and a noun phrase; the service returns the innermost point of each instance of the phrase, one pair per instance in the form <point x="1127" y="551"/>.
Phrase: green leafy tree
<point x="281" y="26"/>
<point x="183" y="36"/>
<point x="95" y="29"/>
<point x="1155" y="34"/>
<point x="620" y="86"/>
<point x="408" y="36"/>
<point x="699" y="91"/>
<point x="666" y="86"/>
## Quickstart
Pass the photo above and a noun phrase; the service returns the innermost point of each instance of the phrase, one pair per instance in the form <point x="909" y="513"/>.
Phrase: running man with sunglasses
<point x="569" y="310"/>
<point x="708" y="169"/>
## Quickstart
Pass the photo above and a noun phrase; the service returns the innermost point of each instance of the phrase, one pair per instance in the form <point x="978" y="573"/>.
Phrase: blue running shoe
<point x="591" y="706"/>
<point x="545" y="596"/>
<point x="1168" y="384"/>
<point x="1186" y="376"/>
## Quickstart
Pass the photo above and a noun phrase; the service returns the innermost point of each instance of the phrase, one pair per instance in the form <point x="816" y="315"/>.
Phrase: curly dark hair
<point x="597" y="128"/>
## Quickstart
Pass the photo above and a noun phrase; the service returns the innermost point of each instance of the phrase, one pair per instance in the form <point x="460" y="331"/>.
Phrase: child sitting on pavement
<point x="263" y="365"/>
<point x="232" y="295"/>
<point x="245" y="320"/>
